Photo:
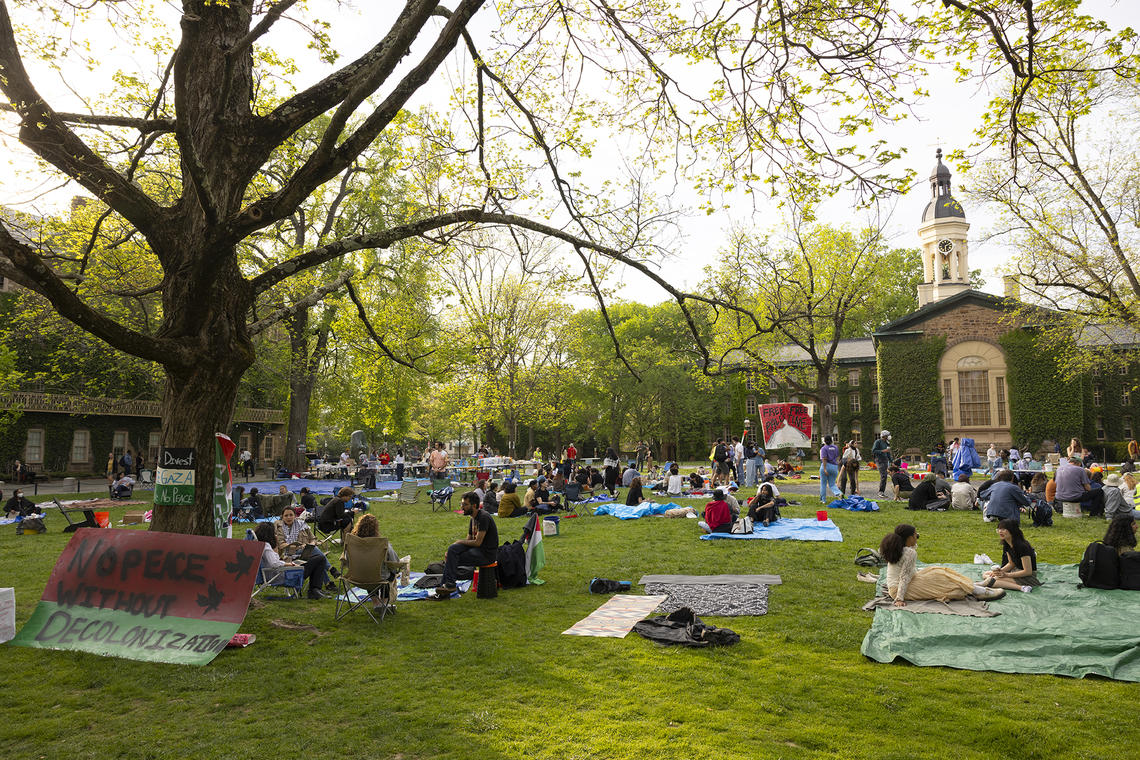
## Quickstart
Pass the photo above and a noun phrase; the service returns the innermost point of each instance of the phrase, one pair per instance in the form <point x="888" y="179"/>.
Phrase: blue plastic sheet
<point x="854" y="503"/>
<point x="798" y="529"/>
<point x="625" y="512"/>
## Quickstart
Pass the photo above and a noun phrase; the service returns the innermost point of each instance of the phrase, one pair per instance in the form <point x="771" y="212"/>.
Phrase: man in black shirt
<point x="926" y="496"/>
<point x="481" y="547"/>
<point x="900" y="482"/>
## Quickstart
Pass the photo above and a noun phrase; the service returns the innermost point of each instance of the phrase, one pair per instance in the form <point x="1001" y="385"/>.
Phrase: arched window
<point x="972" y="375"/>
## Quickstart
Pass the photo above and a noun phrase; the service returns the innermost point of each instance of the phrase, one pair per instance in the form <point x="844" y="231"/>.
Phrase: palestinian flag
<point x="535" y="553"/>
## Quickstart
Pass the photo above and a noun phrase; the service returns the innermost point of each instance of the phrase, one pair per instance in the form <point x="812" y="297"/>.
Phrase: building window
<point x="750" y="406"/>
<point x="1096" y="370"/>
<point x="153" y="444"/>
<point x="875" y="402"/>
<point x="80" y="447"/>
<point x="34" y="447"/>
<point x="1097" y="393"/>
<point x="857" y="436"/>
<point x="999" y="387"/>
<point x="1126" y="396"/>
<point x="245" y="442"/>
<point x="772" y="383"/>
<point x="748" y="382"/>
<point x="1100" y="436"/>
<point x="947" y="403"/>
<point x="855" y="402"/>
<point x="853" y="379"/>
<point x="773" y="399"/>
<point x="833" y="379"/>
<point x="1122" y="369"/>
<point x="120" y="442"/>
<point x="1128" y="427"/>
<point x="974" y="397"/>
<point x="267" y="452"/>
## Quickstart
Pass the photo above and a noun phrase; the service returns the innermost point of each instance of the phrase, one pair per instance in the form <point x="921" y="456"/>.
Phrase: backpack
<point x="1130" y="570"/>
<point x="867" y="557"/>
<point x="721" y="453"/>
<point x="512" y="565"/>
<point x="30" y="525"/>
<point x="1100" y="566"/>
<point x="1042" y="513"/>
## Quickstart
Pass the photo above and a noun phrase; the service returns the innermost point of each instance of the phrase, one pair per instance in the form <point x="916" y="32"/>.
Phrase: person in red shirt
<point x="385" y="457"/>
<point x="718" y="515"/>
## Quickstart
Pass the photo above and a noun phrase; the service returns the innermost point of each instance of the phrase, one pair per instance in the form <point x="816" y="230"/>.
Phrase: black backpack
<point x="1130" y="570"/>
<point x="1042" y="513"/>
<point x="721" y="453"/>
<point x="1100" y="566"/>
<point x="512" y="565"/>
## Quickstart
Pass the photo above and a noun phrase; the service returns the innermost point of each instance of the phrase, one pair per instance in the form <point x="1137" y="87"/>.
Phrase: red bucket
<point x="821" y="515"/>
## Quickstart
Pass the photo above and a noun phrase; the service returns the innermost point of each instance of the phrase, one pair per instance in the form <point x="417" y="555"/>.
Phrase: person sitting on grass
<point x="18" y="506"/>
<point x="927" y="495"/>
<point x="730" y="500"/>
<point x="907" y="583"/>
<point x="762" y="509"/>
<point x="250" y="507"/>
<point x="1018" y="571"/>
<point x="900" y="482"/>
<point x="481" y="547"/>
<point x="718" y="517"/>
<point x="962" y="494"/>
<point x="676" y="483"/>
<point x="634" y="495"/>
<point x="628" y="476"/>
<point x="1006" y="499"/>
<point x="696" y="482"/>
<point x="510" y="505"/>
<point x="316" y="568"/>
<point x="1121" y="533"/>
<point x="491" y="497"/>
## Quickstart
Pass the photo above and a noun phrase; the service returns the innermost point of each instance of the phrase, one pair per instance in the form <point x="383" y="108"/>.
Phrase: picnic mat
<point x="1056" y="629"/>
<point x="626" y="512"/>
<point x="797" y="528"/>
<point x="616" y="617"/>
<point x="727" y="599"/>
<point x="330" y="486"/>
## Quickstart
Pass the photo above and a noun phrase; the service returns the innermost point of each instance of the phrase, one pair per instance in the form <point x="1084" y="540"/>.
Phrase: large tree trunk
<point x="303" y="368"/>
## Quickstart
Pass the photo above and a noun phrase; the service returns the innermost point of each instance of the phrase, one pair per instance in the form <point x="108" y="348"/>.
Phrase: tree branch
<point x="378" y="340"/>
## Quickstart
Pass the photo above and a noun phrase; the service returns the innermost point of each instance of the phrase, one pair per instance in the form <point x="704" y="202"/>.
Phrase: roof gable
<point x="977" y="297"/>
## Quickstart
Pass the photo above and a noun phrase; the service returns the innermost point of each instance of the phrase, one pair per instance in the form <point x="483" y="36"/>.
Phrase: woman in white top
<point x="906" y="582"/>
<point x="676" y="482"/>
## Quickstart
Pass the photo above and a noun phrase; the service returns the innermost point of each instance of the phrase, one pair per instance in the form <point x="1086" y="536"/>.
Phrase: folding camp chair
<point x="367" y="568"/>
<point x="441" y="498"/>
<point x="573" y="492"/>
<point x="288" y="579"/>
<point x="409" y="492"/>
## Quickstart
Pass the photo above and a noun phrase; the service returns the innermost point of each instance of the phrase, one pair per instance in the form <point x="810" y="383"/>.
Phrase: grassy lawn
<point x="495" y="679"/>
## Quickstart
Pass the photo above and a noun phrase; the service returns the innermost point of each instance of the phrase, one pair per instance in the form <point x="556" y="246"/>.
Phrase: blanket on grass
<point x="796" y="528"/>
<point x="625" y="512"/>
<point x="318" y="486"/>
<point x="968" y="607"/>
<point x="854" y="503"/>
<point x="728" y="599"/>
<point x="1058" y="629"/>
<point x="721" y="580"/>
<point x="616" y="617"/>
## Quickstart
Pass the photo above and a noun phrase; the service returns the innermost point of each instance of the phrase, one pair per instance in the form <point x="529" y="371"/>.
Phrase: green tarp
<point x="1058" y="629"/>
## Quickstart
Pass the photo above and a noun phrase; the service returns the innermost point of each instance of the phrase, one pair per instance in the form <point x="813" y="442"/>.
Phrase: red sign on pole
<point x="164" y="597"/>
<point x="785" y="425"/>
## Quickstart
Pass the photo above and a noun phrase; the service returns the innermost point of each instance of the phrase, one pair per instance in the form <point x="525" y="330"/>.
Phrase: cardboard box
<point x="134" y="518"/>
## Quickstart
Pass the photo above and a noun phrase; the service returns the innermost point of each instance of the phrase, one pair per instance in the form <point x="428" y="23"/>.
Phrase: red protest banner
<point x="785" y="425"/>
<point x="141" y="595"/>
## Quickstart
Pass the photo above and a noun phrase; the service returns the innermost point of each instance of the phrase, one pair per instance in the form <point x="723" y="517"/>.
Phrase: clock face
<point x="945" y="246"/>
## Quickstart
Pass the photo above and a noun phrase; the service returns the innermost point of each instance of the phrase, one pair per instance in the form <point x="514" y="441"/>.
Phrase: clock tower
<point x="945" y="262"/>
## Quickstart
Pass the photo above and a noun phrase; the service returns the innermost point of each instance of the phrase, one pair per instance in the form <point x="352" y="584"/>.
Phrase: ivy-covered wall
<point x="864" y="420"/>
<point x="1119" y="418"/>
<point x="57" y="439"/>
<point x="1043" y="405"/>
<point x="909" y="396"/>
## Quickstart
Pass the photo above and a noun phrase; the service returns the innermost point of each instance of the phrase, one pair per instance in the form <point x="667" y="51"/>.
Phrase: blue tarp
<point x="800" y="529"/>
<point x="595" y="499"/>
<point x="854" y="503"/>
<point x="624" y="512"/>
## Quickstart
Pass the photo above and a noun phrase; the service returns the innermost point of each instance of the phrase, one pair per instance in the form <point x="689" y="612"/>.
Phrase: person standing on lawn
<point x="481" y="547"/>
<point x="881" y="453"/>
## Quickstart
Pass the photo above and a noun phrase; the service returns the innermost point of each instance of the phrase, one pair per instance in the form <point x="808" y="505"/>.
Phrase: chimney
<point x="78" y="202"/>
<point x="1012" y="289"/>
